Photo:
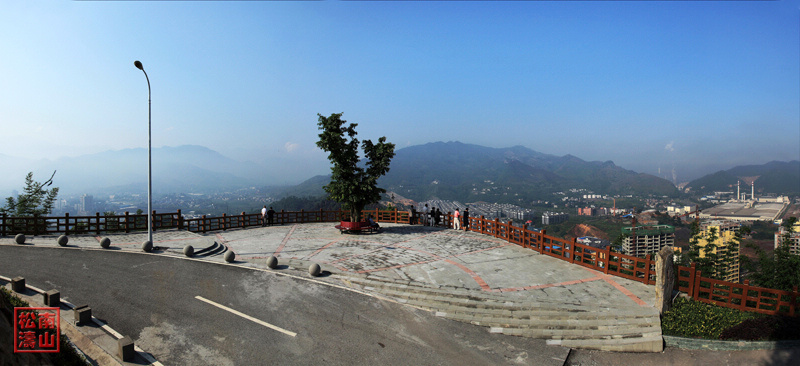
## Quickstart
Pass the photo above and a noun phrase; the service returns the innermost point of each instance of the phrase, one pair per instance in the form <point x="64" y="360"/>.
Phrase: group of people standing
<point x="267" y="216"/>
<point x="433" y="217"/>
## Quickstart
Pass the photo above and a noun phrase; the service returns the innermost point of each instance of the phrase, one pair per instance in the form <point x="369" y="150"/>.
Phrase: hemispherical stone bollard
<point x="272" y="262"/>
<point x="62" y="240"/>
<point x="188" y="250"/>
<point x="147" y="246"/>
<point x="105" y="243"/>
<point x="230" y="256"/>
<point x="20" y="239"/>
<point x="314" y="270"/>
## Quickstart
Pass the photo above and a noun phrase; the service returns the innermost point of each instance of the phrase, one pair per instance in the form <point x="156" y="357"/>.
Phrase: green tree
<point x="352" y="185"/>
<point x="781" y="270"/>
<point x="35" y="201"/>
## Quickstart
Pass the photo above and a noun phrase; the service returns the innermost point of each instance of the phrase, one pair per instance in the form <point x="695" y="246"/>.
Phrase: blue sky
<point x="700" y="86"/>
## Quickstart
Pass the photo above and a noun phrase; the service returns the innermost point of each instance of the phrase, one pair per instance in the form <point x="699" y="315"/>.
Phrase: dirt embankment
<point x="586" y="230"/>
<point x="7" y="355"/>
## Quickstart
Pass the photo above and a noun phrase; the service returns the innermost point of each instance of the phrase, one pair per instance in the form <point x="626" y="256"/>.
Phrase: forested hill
<point x="777" y="177"/>
<point x="468" y="173"/>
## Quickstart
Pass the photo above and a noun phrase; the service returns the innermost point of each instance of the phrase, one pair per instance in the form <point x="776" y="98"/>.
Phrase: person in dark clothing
<point x="412" y="218"/>
<point x="270" y="216"/>
<point x="465" y="219"/>
<point x="437" y="217"/>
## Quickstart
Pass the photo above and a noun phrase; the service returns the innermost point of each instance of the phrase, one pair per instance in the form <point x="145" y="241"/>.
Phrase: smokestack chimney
<point x="753" y="191"/>
<point x="738" y="193"/>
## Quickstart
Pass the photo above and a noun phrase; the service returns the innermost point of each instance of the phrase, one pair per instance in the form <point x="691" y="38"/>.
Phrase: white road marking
<point x="248" y="317"/>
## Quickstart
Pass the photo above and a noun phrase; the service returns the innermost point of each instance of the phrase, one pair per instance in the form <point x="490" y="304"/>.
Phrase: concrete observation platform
<point x="460" y="275"/>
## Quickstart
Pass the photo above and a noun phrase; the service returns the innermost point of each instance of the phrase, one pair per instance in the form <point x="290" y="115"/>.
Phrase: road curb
<point x="89" y="345"/>
<point x="720" y="345"/>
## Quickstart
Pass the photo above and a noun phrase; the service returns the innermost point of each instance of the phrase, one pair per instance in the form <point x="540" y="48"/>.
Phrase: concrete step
<point x="637" y="329"/>
<point x="214" y="249"/>
<point x="645" y="343"/>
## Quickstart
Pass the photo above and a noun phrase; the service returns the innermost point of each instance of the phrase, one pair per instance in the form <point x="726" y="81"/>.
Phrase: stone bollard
<point x="52" y="298"/>
<point x="105" y="243"/>
<point x="83" y="315"/>
<point x="125" y="348"/>
<point x="147" y="246"/>
<point x="272" y="262"/>
<point x="18" y="284"/>
<point x="188" y="250"/>
<point x="230" y="256"/>
<point x="62" y="240"/>
<point x="314" y="270"/>
<point x="665" y="279"/>
<point x="19" y="239"/>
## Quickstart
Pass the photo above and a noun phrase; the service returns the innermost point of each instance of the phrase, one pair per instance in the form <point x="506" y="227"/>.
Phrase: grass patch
<point x="694" y="319"/>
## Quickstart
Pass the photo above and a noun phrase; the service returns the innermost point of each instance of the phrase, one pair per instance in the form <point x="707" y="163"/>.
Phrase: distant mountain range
<point x="458" y="171"/>
<point x="444" y="170"/>
<point x="175" y="169"/>
<point x="773" y="177"/>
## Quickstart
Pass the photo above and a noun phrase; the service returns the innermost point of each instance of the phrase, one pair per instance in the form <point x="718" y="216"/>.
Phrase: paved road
<point x="154" y="300"/>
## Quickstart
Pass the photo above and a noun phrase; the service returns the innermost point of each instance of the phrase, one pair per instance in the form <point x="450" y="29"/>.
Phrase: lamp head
<point x="138" y="65"/>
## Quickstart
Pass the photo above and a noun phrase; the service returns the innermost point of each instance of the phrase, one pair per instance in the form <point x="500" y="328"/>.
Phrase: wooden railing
<point x="736" y="295"/>
<point x="87" y="224"/>
<point x="721" y="293"/>
<point x="602" y="260"/>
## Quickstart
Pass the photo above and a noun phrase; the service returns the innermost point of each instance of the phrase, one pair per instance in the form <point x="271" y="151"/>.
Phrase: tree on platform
<point x="351" y="184"/>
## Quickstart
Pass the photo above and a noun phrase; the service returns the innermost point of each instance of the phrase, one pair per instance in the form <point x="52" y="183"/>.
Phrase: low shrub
<point x="695" y="319"/>
<point x="765" y="328"/>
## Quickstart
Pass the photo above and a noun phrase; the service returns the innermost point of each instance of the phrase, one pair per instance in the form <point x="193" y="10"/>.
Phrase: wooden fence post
<point x="97" y="222"/>
<point x="572" y="250"/>
<point x="607" y="252"/>
<point x="180" y="220"/>
<point x="524" y="236"/>
<point x="692" y="273"/>
<point x="745" y="290"/>
<point x="696" y="287"/>
<point x="793" y="301"/>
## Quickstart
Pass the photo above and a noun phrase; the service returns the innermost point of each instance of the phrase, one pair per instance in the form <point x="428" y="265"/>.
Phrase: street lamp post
<point x="148" y="245"/>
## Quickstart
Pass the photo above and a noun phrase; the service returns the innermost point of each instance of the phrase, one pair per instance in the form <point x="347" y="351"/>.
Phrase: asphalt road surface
<point x="185" y="313"/>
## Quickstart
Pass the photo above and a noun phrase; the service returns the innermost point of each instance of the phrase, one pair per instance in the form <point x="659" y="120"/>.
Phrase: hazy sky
<point x="646" y="84"/>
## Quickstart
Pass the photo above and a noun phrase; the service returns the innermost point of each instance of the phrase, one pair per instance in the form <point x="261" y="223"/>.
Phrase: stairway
<point x="634" y="329"/>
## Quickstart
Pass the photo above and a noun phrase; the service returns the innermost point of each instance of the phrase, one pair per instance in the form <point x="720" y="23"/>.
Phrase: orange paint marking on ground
<point x="321" y="249"/>
<point x="285" y="240"/>
<point x="484" y="286"/>
<point x="619" y="287"/>
<point x="397" y="266"/>
<point x="481" y="250"/>
<point x="625" y="291"/>
<point x="536" y="287"/>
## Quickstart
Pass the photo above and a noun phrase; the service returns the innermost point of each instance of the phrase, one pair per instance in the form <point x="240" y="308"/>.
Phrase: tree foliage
<point x="713" y="259"/>
<point x="351" y="184"/>
<point x="781" y="270"/>
<point x="35" y="201"/>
